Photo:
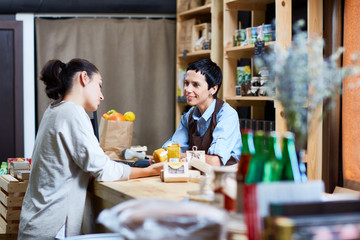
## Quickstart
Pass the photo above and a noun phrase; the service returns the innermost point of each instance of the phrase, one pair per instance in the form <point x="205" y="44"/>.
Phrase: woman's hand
<point x="156" y="168"/>
<point x="152" y="170"/>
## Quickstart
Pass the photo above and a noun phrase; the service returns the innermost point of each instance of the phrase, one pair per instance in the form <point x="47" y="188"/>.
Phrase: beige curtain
<point x="136" y="59"/>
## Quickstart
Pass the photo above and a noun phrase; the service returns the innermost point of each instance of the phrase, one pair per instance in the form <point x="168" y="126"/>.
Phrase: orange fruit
<point x="106" y="116"/>
<point x="117" y="117"/>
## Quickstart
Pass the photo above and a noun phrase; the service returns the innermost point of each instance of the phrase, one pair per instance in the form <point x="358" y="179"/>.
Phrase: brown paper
<point x="115" y="136"/>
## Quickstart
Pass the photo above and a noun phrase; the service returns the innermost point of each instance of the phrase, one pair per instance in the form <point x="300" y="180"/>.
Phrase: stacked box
<point x="12" y="192"/>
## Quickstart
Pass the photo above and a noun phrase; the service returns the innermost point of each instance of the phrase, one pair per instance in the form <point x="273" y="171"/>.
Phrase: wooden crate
<point x="12" y="192"/>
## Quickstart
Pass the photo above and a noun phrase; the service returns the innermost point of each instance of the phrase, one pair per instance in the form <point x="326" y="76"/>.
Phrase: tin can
<point x="248" y="35"/>
<point x="267" y="36"/>
<point x="242" y="35"/>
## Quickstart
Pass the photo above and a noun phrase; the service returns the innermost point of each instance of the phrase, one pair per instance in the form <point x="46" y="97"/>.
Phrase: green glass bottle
<point x="273" y="164"/>
<point x="256" y="167"/>
<point x="247" y="152"/>
<point x="291" y="171"/>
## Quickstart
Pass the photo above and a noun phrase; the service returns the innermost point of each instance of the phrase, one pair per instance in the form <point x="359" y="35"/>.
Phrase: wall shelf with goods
<point x="199" y="36"/>
<point x="258" y="13"/>
<point x="242" y="15"/>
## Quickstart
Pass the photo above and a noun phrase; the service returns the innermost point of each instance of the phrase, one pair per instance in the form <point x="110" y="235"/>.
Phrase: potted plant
<point x="300" y="78"/>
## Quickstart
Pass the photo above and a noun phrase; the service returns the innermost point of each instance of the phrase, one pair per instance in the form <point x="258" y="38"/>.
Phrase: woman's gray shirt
<point x="65" y="152"/>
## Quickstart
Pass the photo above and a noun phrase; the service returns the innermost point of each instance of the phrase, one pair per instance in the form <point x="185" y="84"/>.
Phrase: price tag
<point x="259" y="48"/>
<point x="195" y="155"/>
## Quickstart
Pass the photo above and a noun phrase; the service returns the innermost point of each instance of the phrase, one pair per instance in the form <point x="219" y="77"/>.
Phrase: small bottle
<point x="291" y="170"/>
<point x="247" y="152"/>
<point x="256" y="167"/>
<point x="302" y="166"/>
<point x="273" y="164"/>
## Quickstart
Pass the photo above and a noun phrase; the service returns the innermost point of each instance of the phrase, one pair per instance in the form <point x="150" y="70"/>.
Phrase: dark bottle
<point x="273" y="164"/>
<point x="247" y="152"/>
<point x="302" y="166"/>
<point x="291" y="170"/>
<point x="256" y="167"/>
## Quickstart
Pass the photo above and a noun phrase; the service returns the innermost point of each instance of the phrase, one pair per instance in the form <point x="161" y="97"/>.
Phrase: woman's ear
<point x="84" y="78"/>
<point x="213" y="89"/>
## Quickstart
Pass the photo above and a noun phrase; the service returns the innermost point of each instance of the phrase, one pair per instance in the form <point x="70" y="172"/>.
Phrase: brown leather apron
<point x="204" y="142"/>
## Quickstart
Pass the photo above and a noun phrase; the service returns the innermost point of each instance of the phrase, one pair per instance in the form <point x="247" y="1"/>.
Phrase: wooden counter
<point x="103" y="195"/>
<point x="150" y="187"/>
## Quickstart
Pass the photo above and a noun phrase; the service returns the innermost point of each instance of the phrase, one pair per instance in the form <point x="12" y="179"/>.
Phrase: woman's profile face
<point x="196" y="89"/>
<point x="93" y="94"/>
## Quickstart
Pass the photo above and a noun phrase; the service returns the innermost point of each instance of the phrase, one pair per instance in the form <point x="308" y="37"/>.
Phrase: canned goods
<point x="242" y="35"/>
<point x="267" y="36"/>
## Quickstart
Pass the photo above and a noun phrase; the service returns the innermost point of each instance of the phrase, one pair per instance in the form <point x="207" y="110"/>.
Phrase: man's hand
<point x="213" y="160"/>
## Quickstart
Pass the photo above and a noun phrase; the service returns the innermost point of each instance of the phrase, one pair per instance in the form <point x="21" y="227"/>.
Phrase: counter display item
<point x="168" y="220"/>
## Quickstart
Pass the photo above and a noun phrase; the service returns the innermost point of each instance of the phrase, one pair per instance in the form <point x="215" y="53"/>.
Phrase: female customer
<point x="211" y="124"/>
<point x="66" y="152"/>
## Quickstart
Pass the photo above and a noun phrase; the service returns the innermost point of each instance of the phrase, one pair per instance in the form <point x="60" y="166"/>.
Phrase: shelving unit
<point x="223" y="15"/>
<point x="210" y="13"/>
<point x="283" y="13"/>
<point x="233" y="53"/>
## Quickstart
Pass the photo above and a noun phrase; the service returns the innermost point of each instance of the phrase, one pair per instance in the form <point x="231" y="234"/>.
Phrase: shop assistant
<point x="66" y="152"/>
<point x="210" y="124"/>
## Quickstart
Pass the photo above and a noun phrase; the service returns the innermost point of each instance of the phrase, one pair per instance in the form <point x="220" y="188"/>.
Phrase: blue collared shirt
<point x="226" y="136"/>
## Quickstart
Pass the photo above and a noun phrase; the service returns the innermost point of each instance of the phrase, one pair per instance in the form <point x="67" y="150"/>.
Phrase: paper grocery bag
<point x="115" y="136"/>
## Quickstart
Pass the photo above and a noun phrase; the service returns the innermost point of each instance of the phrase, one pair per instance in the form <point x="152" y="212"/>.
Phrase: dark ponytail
<point x="58" y="76"/>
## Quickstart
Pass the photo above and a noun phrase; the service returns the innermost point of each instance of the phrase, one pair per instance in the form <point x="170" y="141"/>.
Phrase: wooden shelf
<point x="249" y="98"/>
<point x="243" y="52"/>
<point x="206" y="9"/>
<point x="247" y="5"/>
<point x="192" y="56"/>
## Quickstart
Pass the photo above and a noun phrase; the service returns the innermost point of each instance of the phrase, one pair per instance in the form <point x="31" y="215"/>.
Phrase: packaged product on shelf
<point x="180" y="82"/>
<point x="240" y="74"/>
<point x="260" y="33"/>
<point x="262" y="91"/>
<point x="273" y="35"/>
<point x="237" y="38"/>
<point x="255" y="81"/>
<point x="267" y="33"/>
<point x="238" y="90"/>
<point x="247" y="36"/>
<point x="242" y="36"/>
<point x="253" y="35"/>
<point x="199" y="43"/>
<point x="254" y="90"/>
<point x="263" y="81"/>
<point x="267" y="37"/>
<point x="246" y="83"/>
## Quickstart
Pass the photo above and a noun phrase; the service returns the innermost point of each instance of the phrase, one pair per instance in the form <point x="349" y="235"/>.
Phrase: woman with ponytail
<point x="66" y="153"/>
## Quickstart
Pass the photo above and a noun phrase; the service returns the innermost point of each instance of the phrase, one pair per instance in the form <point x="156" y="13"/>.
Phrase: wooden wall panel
<point x="11" y="90"/>
<point x="351" y="99"/>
